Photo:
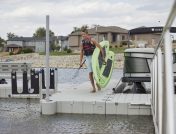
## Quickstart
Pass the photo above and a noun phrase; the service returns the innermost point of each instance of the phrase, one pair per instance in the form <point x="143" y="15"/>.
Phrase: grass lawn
<point x="117" y="49"/>
<point x="56" y="53"/>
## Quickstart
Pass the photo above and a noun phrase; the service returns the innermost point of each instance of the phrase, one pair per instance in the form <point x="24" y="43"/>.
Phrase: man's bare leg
<point x="98" y="86"/>
<point x="92" y="82"/>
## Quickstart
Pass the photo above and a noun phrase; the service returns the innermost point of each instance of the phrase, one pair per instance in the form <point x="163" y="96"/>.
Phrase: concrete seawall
<point x="67" y="61"/>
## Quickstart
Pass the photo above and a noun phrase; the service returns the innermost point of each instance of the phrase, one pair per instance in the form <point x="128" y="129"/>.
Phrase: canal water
<point x="22" y="116"/>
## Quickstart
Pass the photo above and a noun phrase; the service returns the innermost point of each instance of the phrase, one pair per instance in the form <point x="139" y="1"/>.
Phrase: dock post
<point x="47" y="58"/>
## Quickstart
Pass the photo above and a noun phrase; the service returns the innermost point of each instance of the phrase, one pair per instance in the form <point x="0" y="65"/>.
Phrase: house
<point x="113" y="34"/>
<point x="63" y="42"/>
<point x="36" y="44"/>
<point x="17" y="43"/>
<point x="148" y="36"/>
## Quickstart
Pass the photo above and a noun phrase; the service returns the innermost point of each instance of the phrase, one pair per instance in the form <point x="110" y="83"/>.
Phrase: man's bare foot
<point x="99" y="88"/>
<point x="93" y="91"/>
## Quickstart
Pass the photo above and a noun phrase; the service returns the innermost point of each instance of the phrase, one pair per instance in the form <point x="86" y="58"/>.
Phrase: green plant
<point x="69" y="50"/>
<point x="118" y="49"/>
<point x="65" y="48"/>
<point x="123" y="43"/>
<point x="10" y="53"/>
<point x="27" y="50"/>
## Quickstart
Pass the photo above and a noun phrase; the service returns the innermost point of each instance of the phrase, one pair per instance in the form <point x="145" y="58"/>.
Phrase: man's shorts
<point x="89" y="63"/>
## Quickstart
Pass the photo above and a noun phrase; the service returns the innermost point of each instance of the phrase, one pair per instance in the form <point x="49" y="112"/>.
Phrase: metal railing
<point x="162" y="101"/>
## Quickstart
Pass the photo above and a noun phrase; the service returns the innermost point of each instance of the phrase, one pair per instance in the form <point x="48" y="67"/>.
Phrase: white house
<point x="36" y="44"/>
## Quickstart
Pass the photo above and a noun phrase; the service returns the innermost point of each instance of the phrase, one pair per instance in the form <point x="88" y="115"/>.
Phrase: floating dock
<point x="78" y="99"/>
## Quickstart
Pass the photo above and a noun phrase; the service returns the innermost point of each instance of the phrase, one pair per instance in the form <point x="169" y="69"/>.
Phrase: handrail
<point x="162" y="101"/>
<point x="167" y="25"/>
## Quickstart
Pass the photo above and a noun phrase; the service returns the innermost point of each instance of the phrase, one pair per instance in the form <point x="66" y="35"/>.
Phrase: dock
<point x="78" y="99"/>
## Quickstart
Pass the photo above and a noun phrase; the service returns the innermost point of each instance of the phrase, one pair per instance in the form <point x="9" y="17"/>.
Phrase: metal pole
<point x="56" y="79"/>
<point x="128" y="36"/>
<point x="160" y="90"/>
<point x="47" y="58"/>
<point x="40" y="85"/>
<point x="168" y="103"/>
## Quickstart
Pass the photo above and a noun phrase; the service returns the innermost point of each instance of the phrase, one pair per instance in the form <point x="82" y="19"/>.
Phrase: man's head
<point x="84" y="33"/>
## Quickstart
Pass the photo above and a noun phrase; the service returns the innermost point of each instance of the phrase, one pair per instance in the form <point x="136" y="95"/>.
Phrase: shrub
<point x="116" y="46"/>
<point x="27" y="50"/>
<point x="69" y="50"/>
<point x="110" y="46"/>
<point x="10" y="53"/>
<point x="58" y="48"/>
<point x="65" y="48"/>
<point x="123" y="43"/>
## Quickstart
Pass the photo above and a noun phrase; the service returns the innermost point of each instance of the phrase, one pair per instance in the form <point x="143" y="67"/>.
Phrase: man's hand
<point x="104" y="62"/>
<point x="80" y="65"/>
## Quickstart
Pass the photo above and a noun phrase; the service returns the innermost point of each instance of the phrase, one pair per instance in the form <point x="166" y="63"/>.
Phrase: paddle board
<point x="102" y="72"/>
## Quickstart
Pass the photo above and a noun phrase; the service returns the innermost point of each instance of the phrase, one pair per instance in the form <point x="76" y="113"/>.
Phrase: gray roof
<point x="13" y="45"/>
<point x="112" y="29"/>
<point x="62" y="38"/>
<point x="27" y="39"/>
<point x="103" y="29"/>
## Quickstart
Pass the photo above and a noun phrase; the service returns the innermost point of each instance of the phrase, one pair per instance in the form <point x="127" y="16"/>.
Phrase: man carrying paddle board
<point x="87" y="47"/>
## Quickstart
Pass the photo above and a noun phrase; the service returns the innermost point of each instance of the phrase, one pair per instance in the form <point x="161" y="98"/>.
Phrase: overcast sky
<point x="23" y="17"/>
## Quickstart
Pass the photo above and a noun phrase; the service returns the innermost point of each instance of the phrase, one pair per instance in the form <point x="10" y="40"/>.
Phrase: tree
<point x="84" y="27"/>
<point x="2" y="41"/>
<point x="41" y="32"/>
<point x="78" y="29"/>
<point x="11" y="35"/>
<point x="75" y="29"/>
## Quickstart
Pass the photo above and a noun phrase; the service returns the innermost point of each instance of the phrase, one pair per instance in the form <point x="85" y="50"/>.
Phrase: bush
<point x="11" y="53"/>
<point x="58" y="48"/>
<point x="123" y="43"/>
<point x="69" y="50"/>
<point x="110" y="46"/>
<point x="65" y="48"/>
<point x="27" y="50"/>
<point x="116" y="46"/>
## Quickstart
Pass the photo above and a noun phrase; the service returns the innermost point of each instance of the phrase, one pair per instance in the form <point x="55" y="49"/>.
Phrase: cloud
<point x="23" y="17"/>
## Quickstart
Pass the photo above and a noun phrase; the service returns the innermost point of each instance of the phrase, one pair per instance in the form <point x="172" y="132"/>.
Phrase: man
<point x="87" y="47"/>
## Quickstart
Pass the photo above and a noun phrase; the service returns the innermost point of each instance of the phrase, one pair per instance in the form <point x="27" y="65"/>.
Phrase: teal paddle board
<point x="102" y="72"/>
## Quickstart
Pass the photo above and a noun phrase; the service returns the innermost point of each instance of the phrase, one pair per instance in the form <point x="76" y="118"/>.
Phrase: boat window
<point x="174" y="57"/>
<point x="136" y="65"/>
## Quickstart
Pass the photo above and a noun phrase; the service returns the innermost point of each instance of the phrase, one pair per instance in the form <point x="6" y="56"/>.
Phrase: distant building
<point x="113" y="34"/>
<point x="36" y="44"/>
<point x="63" y="42"/>
<point x="148" y="36"/>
